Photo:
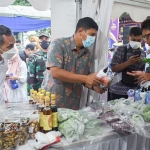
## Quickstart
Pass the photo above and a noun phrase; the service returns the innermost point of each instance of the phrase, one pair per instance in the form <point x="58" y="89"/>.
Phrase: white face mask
<point x="135" y="45"/>
<point x="8" y="54"/>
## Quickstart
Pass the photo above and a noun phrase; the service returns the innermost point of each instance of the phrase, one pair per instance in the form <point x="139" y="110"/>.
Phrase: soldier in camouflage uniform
<point x="37" y="64"/>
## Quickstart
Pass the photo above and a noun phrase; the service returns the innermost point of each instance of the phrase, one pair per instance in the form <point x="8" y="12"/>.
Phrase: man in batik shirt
<point x="37" y="64"/>
<point x="69" y="62"/>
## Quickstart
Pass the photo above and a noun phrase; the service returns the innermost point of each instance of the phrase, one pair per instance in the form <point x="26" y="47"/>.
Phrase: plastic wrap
<point x="72" y="129"/>
<point x="123" y="127"/>
<point x="64" y="114"/>
<point x="95" y="127"/>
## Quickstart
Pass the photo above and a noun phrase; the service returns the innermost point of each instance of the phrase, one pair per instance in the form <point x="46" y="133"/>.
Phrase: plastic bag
<point x="96" y="127"/>
<point x="64" y="114"/>
<point x="72" y="129"/>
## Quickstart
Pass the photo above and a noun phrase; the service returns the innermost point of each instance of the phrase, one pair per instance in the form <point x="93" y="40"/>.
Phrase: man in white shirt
<point x="7" y="42"/>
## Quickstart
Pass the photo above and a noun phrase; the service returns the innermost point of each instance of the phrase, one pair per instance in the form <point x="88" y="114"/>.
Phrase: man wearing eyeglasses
<point x="127" y="58"/>
<point x="142" y="76"/>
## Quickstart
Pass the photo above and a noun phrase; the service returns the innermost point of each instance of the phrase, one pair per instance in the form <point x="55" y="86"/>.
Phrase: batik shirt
<point x="36" y="68"/>
<point x="63" y="54"/>
<point x="120" y="88"/>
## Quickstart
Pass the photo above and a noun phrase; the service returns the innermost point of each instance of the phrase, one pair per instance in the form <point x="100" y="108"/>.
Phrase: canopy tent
<point x="23" y="19"/>
<point x="137" y="9"/>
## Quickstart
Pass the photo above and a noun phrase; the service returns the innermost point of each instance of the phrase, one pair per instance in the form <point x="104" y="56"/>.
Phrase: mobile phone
<point x="137" y="52"/>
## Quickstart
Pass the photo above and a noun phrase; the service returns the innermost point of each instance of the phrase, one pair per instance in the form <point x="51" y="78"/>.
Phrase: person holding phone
<point x="126" y="59"/>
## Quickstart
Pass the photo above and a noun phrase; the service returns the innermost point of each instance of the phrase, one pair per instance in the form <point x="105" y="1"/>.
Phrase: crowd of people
<point x="63" y="65"/>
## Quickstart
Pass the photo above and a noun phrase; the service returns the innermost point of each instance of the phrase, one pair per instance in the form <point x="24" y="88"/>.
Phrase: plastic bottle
<point x="103" y="74"/>
<point x="14" y="84"/>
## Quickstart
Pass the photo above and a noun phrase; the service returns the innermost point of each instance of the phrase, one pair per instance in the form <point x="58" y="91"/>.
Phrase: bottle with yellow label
<point x="47" y="116"/>
<point x="54" y="113"/>
<point x="34" y="97"/>
<point x="38" y="102"/>
<point x="41" y="107"/>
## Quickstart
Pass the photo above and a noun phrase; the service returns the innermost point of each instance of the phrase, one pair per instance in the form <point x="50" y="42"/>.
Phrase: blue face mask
<point x="89" y="41"/>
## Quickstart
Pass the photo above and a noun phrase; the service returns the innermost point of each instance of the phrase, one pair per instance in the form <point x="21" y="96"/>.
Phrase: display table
<point x="109" y="141"/>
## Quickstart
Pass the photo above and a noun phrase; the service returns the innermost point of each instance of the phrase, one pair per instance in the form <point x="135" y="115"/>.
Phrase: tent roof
<point x="137" y="9"/>
<point x="26" y="11"/>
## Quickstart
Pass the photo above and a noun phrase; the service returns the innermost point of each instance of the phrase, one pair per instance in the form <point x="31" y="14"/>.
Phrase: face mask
<point x="9" y="54"/>
<point x="135" y="45"/>
<point x="44" y="44"/>
<point x="18" y="46"/>
<point x="89" y="41"/>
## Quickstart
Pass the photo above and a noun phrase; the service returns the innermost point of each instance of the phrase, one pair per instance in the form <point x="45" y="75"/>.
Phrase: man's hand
<point x="141" y="76"/>
<point x="134" y="59"/>
<point x="92" y="80"/>
<point x="99" y="90"/>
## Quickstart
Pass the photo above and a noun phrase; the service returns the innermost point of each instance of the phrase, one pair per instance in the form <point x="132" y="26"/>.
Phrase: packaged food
<point x="24" y="128"/>
<point x="123" y="127"/>
<point x="33" y="129"/>
<point x="10" y="137"/>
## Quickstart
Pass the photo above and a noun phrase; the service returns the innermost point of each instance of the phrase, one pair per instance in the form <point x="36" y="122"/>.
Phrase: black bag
<point x="127" y="79"/>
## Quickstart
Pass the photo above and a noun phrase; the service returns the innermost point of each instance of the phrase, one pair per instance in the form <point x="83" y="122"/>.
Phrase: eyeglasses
<point x="146" y="36"/>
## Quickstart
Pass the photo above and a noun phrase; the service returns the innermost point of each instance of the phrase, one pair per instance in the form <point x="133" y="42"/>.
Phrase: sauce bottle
<point x="54" y="113"/>
<point x="47" y="116"/>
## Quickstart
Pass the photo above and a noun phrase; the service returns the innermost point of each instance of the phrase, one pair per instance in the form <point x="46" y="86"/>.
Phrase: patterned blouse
<point x="119" y="88"/>
<point x="63" y="54"/>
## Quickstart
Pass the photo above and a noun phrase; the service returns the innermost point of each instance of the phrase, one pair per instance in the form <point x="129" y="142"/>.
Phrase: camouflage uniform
<point x="36" y="68"/>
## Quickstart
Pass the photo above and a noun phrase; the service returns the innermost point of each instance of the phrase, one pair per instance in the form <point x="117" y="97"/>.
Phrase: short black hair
<point x="4" y="31"/>
<point x="145" y="24"/>
<point x="136" y="31"/>
<point x="86" y="23"/>
<point x="31" y="46"/>
<point x="18" y="41"/>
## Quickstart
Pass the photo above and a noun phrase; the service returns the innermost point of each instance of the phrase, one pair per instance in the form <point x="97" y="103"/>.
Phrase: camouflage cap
<point x="43" y="34"/>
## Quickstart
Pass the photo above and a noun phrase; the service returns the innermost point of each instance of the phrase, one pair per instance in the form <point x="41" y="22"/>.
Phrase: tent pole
<point x="78" y="9"/>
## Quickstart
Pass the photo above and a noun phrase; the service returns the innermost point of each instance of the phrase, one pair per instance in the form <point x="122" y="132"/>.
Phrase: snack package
<point x="72" y="129"/>
<point x="24" y="128"/>
<point x="11" y="134"/>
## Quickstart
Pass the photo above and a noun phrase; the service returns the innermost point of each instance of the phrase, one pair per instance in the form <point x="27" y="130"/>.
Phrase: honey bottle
<point x="47" y="116"/>
<point x="54" y="113"/>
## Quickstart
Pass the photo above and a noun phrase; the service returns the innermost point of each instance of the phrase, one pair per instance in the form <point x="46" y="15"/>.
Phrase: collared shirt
<point x="63" y="54"/>
<point x="36" y="68"/>
<point x="119" y="88"/>
<point x="22" y="55"/>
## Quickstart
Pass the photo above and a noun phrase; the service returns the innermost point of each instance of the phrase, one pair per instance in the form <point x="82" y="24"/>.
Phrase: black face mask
<point x="44" y="44"/>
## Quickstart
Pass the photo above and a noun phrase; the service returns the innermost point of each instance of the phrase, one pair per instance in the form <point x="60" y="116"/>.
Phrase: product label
<point x="55" y="119"/>
<point x="47" y="103"/>
<point x="47" y="122"/>
<point x="41" y="119"/>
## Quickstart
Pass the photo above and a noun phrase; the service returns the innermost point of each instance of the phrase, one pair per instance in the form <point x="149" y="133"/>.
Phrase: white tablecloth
<point x="109" y="141"/>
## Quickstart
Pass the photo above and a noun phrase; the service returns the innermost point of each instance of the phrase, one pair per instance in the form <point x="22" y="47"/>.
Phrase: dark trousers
<point x="112" y="96"/>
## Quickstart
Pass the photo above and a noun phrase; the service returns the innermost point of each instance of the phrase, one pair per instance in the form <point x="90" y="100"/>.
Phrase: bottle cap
<point x="48" y="93"/>
<point x="53" y="96"/>
<point x="31" y="90"/>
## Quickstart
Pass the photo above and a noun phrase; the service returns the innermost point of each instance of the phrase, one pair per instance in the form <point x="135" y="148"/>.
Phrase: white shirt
<point x="19" y="94"/>
<point x="3" y="70"/>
